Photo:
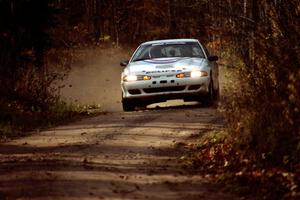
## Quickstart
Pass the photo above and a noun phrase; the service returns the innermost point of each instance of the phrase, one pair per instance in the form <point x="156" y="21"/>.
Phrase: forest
<point x="258" y="41"/>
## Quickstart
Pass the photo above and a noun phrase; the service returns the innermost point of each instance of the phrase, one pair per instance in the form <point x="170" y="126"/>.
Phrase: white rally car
<point x="169" y="69"/>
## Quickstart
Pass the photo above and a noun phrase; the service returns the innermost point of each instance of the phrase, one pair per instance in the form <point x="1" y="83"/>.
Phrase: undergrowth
<point x="217" y="155"/>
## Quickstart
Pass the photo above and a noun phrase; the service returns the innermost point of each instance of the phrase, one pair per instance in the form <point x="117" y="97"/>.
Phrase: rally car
<point x="169" y="69"/>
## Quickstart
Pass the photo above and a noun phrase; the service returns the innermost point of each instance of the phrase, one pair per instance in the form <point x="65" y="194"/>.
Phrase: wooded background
<point x="257" y="39"/>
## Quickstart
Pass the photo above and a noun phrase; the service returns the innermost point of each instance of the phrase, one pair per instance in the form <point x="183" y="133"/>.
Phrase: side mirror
<point x="213" y="58"/>
<point x="124" y="63"/>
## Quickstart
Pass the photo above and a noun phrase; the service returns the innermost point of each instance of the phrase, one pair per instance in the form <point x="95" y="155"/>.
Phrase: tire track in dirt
<point x="111" y="156"/>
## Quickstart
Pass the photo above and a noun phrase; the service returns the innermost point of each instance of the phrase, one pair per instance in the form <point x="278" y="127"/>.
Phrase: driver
<point x="155" y="52"/>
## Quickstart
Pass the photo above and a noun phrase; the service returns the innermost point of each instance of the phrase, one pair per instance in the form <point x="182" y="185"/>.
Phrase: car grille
<point x="134" y="92"/>
<point x="194" y="87"/>
<point x="164" y="89"/>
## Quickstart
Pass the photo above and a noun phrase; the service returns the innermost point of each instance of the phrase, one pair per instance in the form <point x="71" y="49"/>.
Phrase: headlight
<point x="130" y="78"/>
<point x="193" y="74"/>
<point x="197" y="74"/>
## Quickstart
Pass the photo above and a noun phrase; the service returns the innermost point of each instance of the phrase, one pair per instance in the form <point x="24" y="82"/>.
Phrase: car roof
<point x="169" y="41"/>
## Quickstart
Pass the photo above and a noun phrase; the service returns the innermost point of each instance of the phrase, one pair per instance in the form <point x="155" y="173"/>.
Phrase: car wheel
<point x="208" y="100"/>
<point x="128" y="105"/>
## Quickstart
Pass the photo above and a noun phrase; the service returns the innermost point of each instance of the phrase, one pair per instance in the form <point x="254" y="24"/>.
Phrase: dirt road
<point x="111" y="156"/>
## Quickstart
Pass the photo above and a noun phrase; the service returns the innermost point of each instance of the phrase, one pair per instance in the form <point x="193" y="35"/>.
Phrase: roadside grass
<point x="16" y="123"/>
<point x="64" y="110"/>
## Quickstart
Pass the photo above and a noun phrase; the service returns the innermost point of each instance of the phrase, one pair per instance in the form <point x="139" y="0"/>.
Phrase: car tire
<point x="208" y="100"/>
<point x="128" y="105"/>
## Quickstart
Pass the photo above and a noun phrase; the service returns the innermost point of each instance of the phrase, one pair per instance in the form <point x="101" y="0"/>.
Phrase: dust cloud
<point x="95" y="78"/>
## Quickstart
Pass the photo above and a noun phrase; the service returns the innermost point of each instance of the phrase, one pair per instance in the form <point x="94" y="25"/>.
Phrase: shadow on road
<point x="111" y="156"/>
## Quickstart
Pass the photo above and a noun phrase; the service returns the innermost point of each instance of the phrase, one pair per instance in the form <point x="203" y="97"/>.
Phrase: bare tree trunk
<point x="142" y="30"/>
<point x="97" y="20"/>
<point x="89" y="18"/>
<point x="255" y="17"/>
<point x="245" y="8"/>
<point x="115" y="23"/>
<point x="172" y="26"/>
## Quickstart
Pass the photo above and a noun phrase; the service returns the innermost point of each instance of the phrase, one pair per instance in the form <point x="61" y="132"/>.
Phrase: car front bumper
<point x="165" y="88"/>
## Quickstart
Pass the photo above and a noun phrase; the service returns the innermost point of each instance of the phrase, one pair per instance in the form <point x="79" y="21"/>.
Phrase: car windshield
<point x="186" y="49"/>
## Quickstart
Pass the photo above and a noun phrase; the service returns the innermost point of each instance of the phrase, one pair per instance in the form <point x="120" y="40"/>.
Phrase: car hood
<point x="165" y="65"/>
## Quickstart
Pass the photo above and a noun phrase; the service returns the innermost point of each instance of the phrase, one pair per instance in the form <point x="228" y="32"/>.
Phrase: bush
<point x="263" y="105"/>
